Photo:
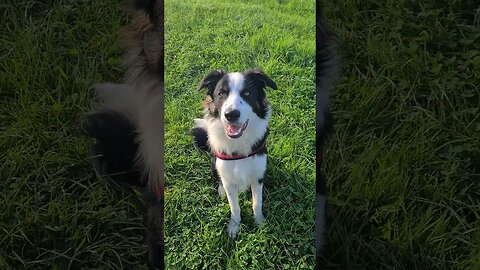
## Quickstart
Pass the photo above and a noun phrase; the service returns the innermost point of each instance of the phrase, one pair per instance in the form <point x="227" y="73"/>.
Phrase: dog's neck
<point x="221" y="143"/>
<point x="258" y="149"/>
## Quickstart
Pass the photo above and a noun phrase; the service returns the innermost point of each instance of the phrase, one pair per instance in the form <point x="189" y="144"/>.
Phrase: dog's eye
<point x="246" y="93"/>
<point x="222" y="93"/>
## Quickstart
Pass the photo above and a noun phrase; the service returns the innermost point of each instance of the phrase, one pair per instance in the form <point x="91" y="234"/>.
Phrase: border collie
<point x="128" y="125"/>
<point x="234" y="130"/>
<point x="327" y="69"/>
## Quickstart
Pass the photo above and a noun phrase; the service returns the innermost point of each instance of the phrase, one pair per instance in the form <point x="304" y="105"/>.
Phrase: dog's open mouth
<point x="235" y="131"/>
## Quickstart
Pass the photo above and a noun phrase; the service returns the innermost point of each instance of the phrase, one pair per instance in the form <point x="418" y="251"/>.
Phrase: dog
<point x="234" y="131"/>
<point x="327" y="72"/>
<point x="128" y="125"/>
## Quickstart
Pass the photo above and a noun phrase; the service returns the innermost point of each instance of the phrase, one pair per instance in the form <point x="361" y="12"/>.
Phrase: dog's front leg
<point x="232" y="196"/>
<point x="257" y="188"/>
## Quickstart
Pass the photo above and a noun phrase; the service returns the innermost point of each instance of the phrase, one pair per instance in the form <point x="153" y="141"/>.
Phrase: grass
<point x="403" y="165"/>
<point x="279" y="38"/>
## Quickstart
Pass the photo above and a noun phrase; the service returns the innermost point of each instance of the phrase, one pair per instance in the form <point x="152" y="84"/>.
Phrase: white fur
<point x="235" y="81"/>
<point x="150" y="105"/>
<point x="238" y="175"/>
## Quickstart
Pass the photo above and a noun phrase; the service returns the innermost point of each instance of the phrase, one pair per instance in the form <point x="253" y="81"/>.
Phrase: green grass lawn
<point x="403" y="164"/>
<point x="279" y="38"/>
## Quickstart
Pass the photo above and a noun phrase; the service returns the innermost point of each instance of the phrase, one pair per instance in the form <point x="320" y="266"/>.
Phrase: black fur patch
<point x="148" y="6"/>
<point x="200" y="138"/>
<point x="115" y="147"/>
<point x="210" y="81"/>
<point x="262" y="151"/>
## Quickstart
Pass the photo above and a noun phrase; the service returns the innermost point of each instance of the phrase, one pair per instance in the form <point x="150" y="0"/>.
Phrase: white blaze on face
<point x="235" y="81"/>
<point x="234" y="100"/>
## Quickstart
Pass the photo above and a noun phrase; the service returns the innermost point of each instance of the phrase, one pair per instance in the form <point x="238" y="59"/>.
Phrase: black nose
<point x="232" y="116"/>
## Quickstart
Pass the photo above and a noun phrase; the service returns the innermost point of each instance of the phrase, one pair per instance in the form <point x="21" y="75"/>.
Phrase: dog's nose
<point x="233" y="115"/>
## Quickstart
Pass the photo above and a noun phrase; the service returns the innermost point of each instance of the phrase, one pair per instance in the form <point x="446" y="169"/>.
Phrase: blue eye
<point x="222" y="93"/>
<point x="246" y="93"/>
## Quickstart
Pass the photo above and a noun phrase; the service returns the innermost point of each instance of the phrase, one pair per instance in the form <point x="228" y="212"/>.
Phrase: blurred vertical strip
<point x="129" y="125"/>
<point x="327" y="69"/>
<point x="145" y="63"/>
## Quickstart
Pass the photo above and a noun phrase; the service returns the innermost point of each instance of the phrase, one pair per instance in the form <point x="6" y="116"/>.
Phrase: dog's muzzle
<point x="235" y="130"/>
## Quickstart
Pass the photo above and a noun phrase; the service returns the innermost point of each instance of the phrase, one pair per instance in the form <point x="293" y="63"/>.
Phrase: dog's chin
<point x="235" y="130"/>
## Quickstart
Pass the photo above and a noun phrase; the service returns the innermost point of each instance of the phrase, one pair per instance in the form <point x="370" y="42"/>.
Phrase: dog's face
<point x="236" y="98"/>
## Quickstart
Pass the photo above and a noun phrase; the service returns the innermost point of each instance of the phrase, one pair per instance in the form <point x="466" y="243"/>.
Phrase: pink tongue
<point x="233" y="129"/>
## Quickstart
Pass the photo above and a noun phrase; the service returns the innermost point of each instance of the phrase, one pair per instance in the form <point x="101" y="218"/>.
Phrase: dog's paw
<point x="233" y="229"/>
<point x="221" y="191"/>
<point x="259" y="218"/>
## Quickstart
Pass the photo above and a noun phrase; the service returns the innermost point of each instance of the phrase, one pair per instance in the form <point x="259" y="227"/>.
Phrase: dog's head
<point x="236" y="98"/>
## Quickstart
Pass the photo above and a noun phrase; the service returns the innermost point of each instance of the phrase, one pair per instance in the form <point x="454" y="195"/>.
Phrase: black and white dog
<point x="234" y="131"/>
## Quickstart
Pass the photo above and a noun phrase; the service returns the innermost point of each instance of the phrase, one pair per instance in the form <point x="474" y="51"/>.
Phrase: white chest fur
<point x="241" y="173"/>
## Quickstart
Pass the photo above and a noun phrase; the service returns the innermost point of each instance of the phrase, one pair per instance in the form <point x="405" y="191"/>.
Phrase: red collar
<point x="254" y="152"/>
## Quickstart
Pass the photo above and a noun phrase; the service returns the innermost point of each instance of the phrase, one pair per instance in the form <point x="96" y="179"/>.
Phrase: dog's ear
<point x="211" y="80"/>
<point x="259" y="75"/>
